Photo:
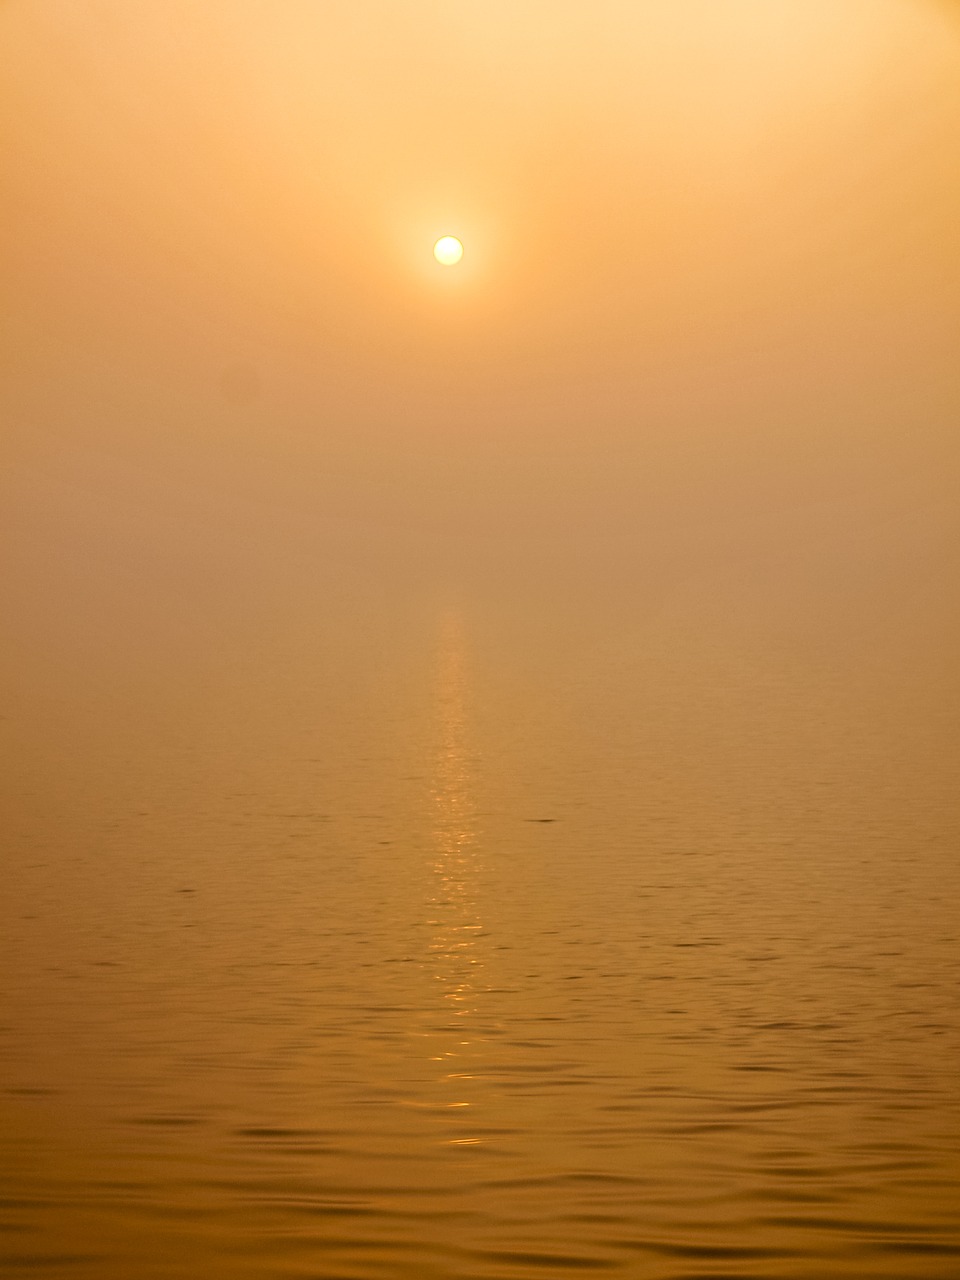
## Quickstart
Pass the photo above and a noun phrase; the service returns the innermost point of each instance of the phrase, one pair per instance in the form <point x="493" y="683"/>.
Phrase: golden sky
<point x="712" y="266"/>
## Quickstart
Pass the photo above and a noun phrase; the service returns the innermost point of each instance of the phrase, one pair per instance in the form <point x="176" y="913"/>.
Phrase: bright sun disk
<point x="448" y="251"/>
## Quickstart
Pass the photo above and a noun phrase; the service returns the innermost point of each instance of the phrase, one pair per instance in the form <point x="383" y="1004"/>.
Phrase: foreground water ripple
<point x="449" y="977"/>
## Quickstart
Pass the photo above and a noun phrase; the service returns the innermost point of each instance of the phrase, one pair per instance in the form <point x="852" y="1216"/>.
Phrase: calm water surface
<point x="490" y="941"/>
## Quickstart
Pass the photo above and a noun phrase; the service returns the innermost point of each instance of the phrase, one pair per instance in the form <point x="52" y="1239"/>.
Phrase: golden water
<point x="484" y="941"/>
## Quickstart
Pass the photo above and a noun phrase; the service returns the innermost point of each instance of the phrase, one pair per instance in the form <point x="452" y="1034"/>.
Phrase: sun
<point x="448" y="251"/>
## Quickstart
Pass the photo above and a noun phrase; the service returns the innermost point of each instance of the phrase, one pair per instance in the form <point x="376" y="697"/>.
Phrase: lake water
<point x="449" y="934"/>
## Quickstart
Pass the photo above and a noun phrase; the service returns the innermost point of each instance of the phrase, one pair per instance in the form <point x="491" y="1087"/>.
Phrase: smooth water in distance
<point x="484" y="938"/>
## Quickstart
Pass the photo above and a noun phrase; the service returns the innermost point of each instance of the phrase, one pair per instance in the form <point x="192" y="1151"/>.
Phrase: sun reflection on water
<point x="456" y="961"/>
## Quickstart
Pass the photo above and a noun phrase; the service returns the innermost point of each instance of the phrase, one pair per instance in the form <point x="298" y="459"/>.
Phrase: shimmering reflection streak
<point x="455" y="959"/>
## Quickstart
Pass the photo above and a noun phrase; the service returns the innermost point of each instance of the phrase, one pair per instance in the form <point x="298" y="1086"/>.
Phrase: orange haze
<point x="710" y="296"/>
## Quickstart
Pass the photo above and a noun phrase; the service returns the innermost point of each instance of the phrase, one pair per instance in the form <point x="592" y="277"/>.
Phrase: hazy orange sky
<point x="712" y="273"/>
